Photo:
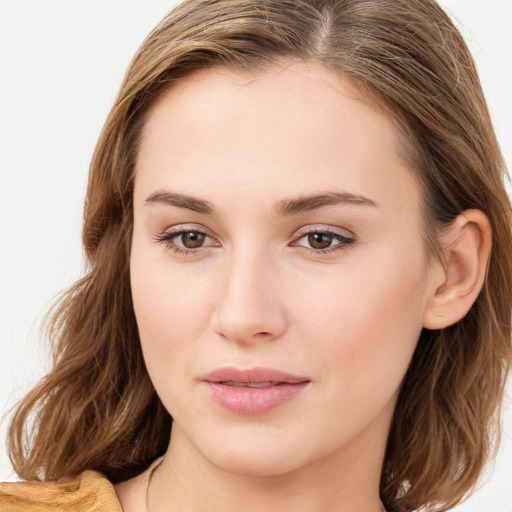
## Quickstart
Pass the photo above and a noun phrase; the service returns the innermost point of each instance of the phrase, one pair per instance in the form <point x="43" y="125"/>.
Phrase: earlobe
<point x="459" y="275"/>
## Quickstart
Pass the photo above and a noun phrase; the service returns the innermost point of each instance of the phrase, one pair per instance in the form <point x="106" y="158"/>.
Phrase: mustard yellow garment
<point x="89" y="492"/>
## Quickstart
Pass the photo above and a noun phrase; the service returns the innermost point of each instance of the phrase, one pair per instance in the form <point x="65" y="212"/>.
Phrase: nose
<point x="249" y="304"/>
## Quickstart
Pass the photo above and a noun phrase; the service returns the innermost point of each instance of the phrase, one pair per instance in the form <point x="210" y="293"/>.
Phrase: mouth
<point x="253" y="376"/>
<point x="253" y="391"/>
<point x="250" y="384"/>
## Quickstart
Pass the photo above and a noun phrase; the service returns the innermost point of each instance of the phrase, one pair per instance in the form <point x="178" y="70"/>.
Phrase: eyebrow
<point x="315" y="201"/>
<point x="284" y="207"/>
<point x="182" y="201"/>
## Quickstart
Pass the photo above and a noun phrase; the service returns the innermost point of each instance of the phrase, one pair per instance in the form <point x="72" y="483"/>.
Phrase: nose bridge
<point x="248" y="304"/>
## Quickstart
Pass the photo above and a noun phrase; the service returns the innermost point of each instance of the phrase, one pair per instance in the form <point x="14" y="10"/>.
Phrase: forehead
<point x="294" y="88"/>
<point x="299" y="125"/>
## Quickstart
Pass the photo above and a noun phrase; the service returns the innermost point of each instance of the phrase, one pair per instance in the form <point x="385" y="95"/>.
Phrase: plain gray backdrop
<point x="61" y="63"/>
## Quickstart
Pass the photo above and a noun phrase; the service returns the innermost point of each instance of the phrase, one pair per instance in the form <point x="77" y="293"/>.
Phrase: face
<point x="279" y="274"/>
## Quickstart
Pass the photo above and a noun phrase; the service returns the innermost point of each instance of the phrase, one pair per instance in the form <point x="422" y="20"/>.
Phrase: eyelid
<point x="344" y="238"/>
<point x="179" y="228"/>
<point x="322" y="228"/>
<point x="167" y="236"/>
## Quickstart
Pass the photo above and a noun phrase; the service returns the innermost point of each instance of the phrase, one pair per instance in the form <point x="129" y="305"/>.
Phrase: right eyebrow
<point x="313" y="202"/>
<point x="181" y="201"/>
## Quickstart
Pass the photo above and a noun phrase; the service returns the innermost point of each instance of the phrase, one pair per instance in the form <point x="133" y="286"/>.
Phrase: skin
<point x="255" y="293"/>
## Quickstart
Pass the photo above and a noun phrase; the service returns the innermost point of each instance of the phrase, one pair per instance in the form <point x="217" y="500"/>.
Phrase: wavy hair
<point x="97" y="408"/>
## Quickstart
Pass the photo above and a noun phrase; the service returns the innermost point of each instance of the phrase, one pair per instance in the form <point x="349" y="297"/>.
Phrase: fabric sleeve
<point x="89" y="492"/>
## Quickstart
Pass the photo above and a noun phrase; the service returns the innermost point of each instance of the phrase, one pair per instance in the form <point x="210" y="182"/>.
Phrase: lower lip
<point x="246" y="400"/>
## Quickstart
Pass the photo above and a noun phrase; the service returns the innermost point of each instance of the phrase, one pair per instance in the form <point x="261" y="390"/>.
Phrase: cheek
<point x="364" y="324"/>
<point x="172" y="309"/>
<point x="170" y="320"/>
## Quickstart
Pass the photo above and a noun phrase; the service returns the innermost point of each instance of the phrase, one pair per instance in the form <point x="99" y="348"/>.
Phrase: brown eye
<point x="192" y="239"/>
<point x="186" y="241"/>
<point x="323" y="242"/>
<point x="319" y="240"/>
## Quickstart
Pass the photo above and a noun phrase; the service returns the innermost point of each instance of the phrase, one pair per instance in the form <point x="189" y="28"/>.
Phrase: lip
<point x="253" y="391"/>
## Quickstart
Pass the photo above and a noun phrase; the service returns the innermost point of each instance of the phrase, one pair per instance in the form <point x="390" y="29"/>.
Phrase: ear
<point x="458" y="276"/>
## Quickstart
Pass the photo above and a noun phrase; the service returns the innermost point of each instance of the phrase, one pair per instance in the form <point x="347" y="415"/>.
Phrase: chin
<point x="255" y="463"/>
<point x="252" y="452"/>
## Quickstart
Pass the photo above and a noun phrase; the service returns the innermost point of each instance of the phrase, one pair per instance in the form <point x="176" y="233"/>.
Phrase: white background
<point x="61" y="63"/>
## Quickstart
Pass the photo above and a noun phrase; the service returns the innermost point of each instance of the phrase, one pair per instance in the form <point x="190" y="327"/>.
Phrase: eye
<point x="190" y="239"/>
<point x="324" y="240"/>
<point x="319" y="240"/>
<point x="186" y="240"/>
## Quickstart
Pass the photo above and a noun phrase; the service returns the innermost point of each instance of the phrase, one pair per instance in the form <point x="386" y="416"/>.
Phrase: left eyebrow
<point x="181" y="201"/>
<point x="312" y="202"/>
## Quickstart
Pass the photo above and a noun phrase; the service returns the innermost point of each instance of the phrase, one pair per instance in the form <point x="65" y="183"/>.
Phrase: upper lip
<point x="252" y="375"/>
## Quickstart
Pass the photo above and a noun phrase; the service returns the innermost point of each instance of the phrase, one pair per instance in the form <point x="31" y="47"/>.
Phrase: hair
<point x="97" y="408"/>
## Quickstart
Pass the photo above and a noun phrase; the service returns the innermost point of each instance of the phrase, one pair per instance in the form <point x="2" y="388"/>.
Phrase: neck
<point x="347" y="481"/>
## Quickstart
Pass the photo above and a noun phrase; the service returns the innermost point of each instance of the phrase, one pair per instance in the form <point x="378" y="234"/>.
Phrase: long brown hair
<point x="97" y="408"/>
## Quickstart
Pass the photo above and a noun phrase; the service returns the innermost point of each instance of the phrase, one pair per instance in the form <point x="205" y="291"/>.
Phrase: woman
<point x="289" y="224"/>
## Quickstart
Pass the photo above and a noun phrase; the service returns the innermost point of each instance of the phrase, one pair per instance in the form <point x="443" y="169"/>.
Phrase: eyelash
<point x="167" y="238"/>
<point x="344" y="240"/>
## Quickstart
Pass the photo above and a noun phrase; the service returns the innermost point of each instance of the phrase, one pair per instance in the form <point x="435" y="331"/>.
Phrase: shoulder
<point x="89" y="492"/>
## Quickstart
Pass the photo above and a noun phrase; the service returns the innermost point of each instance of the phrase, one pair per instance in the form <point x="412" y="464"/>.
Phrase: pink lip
<point x="231" y="388"/>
